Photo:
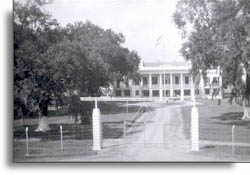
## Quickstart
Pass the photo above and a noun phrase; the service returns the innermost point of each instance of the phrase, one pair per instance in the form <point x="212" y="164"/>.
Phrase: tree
<point x="36" y="80"/>
<point x="90" y="58"/>
<point x="51" y="62"/>
<point x="217" y="34"/>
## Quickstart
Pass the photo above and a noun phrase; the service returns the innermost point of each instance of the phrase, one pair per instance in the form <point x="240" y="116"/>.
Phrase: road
<point x="162" y="136"/>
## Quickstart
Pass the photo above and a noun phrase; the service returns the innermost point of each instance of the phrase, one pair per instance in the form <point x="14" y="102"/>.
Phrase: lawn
<point x="215" y="122"/>
<point x="108" y="110"/>
<point x="215" y="132"/>
<point x="77" y="137"/>
<point x="215" y="129"/>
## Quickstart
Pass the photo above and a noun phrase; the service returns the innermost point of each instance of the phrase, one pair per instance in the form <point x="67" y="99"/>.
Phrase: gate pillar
<point x="194" y="129"/>
<point x="194" y="121"/>
<point x="97" y="127"/>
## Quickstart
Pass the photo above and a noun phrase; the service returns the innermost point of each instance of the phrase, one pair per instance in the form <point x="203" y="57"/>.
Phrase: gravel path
<point x="163" y="139"/>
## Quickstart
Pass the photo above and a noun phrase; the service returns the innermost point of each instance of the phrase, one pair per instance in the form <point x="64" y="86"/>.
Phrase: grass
<point x="215" y="125"/>
<point x="215" y="122"/>
<point x="51" y="150"/>
<point x="223" y="153"/>
<point x="77" y="137"/>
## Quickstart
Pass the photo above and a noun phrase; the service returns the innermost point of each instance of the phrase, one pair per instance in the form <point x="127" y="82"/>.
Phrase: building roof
<point x="163" y="64"/>
<point x="173" y="66"/>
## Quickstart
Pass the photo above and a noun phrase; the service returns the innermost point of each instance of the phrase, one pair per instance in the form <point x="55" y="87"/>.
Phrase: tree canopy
<point x="51" y="61"/>
<point x="217" y="34"/>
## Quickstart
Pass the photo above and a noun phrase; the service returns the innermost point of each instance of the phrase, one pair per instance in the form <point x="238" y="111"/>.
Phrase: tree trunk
<point x="43" y="124"/>
<point x="57" y="107"/>
<point x="246" y="115"/>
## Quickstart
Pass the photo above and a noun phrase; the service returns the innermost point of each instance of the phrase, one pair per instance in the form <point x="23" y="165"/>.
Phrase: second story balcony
<point x="176" y="86"/>
<point x="187" y="86"/>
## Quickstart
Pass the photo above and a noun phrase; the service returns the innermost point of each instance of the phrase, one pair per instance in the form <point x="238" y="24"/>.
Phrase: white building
<point x="168" y="80"/>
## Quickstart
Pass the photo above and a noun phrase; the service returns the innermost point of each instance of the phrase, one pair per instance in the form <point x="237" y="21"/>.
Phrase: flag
<point x="158" y="40"/>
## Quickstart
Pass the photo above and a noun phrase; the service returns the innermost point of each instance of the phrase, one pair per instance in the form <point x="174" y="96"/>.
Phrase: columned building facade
<point x="168" y="80"/>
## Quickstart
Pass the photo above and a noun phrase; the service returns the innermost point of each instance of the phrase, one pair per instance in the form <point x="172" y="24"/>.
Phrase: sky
<point x="147" y="25"/>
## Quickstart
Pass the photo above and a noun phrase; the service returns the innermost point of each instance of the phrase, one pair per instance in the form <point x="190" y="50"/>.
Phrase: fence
<point x="225" y="139"/>
<point x="61" y="140"/>
<point x="76" y="140"/>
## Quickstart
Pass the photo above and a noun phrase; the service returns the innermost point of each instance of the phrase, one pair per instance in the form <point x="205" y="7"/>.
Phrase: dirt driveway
<point x="162" y="138"/>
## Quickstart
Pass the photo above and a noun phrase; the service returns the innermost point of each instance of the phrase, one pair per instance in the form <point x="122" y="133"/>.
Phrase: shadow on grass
<point x="70" y="131"/>
<point x="105" y="108"/>
<point x="232" y="118"/>
<point x="111" y="130"/>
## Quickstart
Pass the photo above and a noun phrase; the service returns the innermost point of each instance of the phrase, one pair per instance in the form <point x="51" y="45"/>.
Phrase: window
<point x="145" y="80"/>
<point x="127" y="84"/>
<point x="215" y="91"/>
<point x="167" y="80"/>
<point x="154" y="80"/>
<point x="207" y="81"/>
<point x="176" y="80"/>
<point x="137" y="82"/>
<point x="167" y="93"/>
<point x="197" y="91"/>
<point x="145" y="93"/>
<point x="127" y="93"/>
<point x="186" y="80"/>
<point x="207" y="91"/>
<point x="215" y="81"/>
<point x="155" y="93"/>
<point x="118" y="93"/>
<point x="177" y="92"/>
<point x="118" y="83"/>
<point x="187" y="92"/>
<point x="137" y="92"/>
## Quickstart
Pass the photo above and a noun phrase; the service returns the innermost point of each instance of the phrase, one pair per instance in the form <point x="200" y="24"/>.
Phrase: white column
<point x="181" y="80"/>
<point x="160" y="79"/>
<point x="160" y="89"/>
<point x="164" y="86"/>
<point x="150" y="85"/>
<point x="141" y="85"/>
<point x="182" y="90"/>
<point x="171" y="85"/>
<point x="97" y="128"/>
<point x="220" y="81"/>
